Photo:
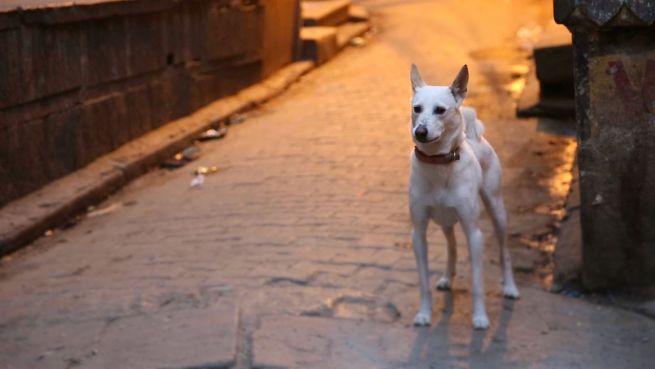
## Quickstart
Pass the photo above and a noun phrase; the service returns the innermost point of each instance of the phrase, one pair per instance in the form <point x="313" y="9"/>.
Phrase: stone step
<point x="537" y="100"/>
<point x="319" y="43"/>
<point x="553" y="56"/>
<point x="548" y="90"/>
<point x="325" y="12"/>
<point x="322" y="43"/>
<point x="358" y="13"/>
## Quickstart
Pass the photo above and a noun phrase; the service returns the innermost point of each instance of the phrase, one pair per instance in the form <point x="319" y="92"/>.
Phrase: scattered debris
<point x="182" y="158"/>
<point x="93" y="212"/>
<point x="197" y="180"/>
<point x="191" y="153"/>
<point x="206" y="170"/>
<point x="200" y="173"/>
<point x="236" y="119"/>
<point x="213" y="134"/>
<point x="358" y="42"/>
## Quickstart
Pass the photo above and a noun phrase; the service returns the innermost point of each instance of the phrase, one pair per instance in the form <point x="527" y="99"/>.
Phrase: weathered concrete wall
<point x="79" y="81"/>
<point x="614" y="57"/>
<point x="617" y="157"/>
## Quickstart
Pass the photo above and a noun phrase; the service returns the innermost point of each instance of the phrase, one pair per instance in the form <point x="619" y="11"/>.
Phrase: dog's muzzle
<point x="421" y="133"/>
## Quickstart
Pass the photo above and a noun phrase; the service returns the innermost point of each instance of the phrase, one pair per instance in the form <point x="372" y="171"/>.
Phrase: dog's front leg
<point x="446" y="280"/>
<point x="468" y="217"/>
<point x="419" y="241"/>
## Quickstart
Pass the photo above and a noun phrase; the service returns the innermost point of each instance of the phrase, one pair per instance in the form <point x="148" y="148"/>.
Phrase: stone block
<point x="10" y="63"/>
<point x="106" y="51"/>
<point x="145" y="43"/>
<point x="50" y="61"/>
<point x="22" y="150"/>
<point x="184" y="33"/>
<point x="38" y="145"/>
<point x="553" y="58"/>
<point x="554" y="65"/>
<point x="60" y="133"/>
<point x="358" y="13"/>
<point x="314" y="342"/>
<point x="220" y="39"/>
<point x="318" y="43"/>
<point x="175" y="96"/>
<point x="101" y="127"/>
<point x="67" y="12"/>
<point x="57" y="346"/>
<point x="139" y="119"/>
<point x="280" y="35"/>
<point x="191" y="338"/>
<point x="325" y="13"/>
<point x="9" y="20"/>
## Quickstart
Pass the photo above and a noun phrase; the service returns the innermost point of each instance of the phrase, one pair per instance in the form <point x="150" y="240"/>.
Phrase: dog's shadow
<point x="451" y="342"/>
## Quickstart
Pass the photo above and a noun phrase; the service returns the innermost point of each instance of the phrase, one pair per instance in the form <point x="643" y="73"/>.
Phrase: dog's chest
<point x="435" y="190"/>
<point x="443" y="215"/>
<point x="440" y="203"/>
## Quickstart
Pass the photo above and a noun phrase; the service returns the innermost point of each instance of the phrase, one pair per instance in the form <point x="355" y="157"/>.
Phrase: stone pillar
<point x="614" y="68"/>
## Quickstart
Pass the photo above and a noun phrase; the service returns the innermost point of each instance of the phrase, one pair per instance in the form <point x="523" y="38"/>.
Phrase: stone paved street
<point x="296" y="253"/>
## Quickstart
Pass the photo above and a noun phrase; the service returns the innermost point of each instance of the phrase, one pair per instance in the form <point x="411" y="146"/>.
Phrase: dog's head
<point x="433" y="107"/>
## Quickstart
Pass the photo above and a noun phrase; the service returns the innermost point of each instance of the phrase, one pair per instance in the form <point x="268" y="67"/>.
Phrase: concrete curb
<point x="29" y="217"/>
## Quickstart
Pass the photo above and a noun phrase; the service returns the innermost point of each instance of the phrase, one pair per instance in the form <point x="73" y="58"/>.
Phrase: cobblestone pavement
<point x="296" y="253"/>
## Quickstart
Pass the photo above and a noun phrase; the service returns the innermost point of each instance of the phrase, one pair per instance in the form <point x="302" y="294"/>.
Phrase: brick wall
<point x="79" y="81"/>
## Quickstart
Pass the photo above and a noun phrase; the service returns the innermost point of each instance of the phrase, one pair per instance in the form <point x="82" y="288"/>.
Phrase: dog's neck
<point x="450" y="139"/>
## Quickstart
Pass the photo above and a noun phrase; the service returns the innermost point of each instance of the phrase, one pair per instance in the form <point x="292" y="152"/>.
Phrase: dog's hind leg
<point x="419" y="241"/>
<point x="493" y="202"/>
<point x="445" y="281"/>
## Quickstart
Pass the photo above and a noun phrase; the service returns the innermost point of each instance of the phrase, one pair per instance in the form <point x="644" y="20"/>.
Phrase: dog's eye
<point x="439" y="110"/>
<point x="418" y="109"/>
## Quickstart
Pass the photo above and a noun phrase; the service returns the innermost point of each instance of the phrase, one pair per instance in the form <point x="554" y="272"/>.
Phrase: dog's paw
<point x="480" y="321"/>
<point x="443" y="284"/>
<point x="511" y="292"/>
<point x="422" y="319"/>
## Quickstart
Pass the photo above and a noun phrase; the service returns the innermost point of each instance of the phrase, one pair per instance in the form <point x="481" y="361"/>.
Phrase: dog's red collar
<point x="437" y="159"/>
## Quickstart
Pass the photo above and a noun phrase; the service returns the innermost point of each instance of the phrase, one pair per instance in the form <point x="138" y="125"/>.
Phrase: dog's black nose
<point x="421" y="133"/>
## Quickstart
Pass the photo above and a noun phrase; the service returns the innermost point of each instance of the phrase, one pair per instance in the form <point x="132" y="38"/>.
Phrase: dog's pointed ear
<point x="415" y="77"/>
<point x="459" y="86"/>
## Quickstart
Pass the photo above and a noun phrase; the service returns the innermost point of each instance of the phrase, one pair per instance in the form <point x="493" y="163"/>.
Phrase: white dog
<point x="452" y="163"/>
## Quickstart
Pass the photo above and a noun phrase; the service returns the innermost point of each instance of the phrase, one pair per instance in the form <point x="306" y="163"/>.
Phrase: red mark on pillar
<point x="638" y="101"/>
<point x="648" y="87"/>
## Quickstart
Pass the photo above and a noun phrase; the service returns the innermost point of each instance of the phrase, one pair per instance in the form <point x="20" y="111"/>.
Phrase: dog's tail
<point x="473" y="128"/>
